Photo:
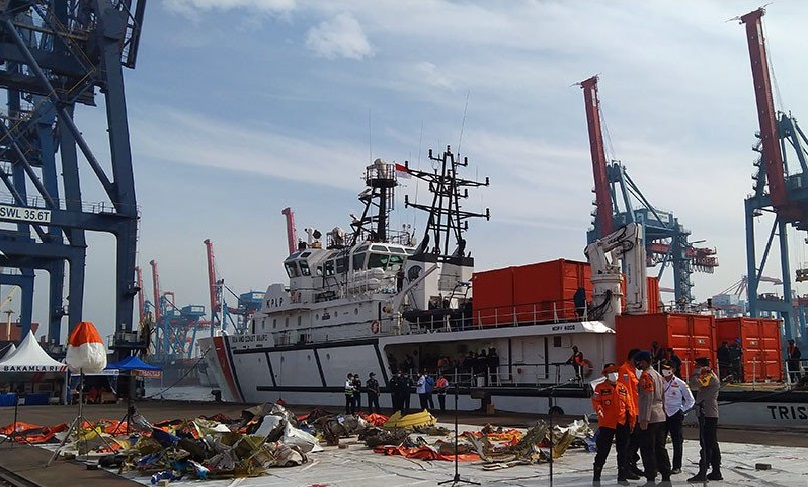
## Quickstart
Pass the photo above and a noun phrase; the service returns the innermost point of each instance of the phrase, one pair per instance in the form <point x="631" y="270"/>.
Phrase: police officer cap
<point x="372" y="374"/>
<point x="667" y="366"/>
<point x="703" y="361"/>
<point x="642" y="355"/>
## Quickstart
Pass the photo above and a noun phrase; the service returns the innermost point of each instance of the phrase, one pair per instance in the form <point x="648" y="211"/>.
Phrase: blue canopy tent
<point x="132" y="363"/>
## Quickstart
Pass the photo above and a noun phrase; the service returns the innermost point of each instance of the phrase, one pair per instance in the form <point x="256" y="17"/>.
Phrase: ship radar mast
<point x="447" y="220"/>
<point x="379" y="201"/>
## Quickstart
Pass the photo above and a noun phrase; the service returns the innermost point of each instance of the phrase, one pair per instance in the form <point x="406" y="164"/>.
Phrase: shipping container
<point x="690" y="335"/>
<point x="493" y="297"/>
<point x="544" y="291"/>
<point x="654" y="299"/>
<point x="761" y="346"/>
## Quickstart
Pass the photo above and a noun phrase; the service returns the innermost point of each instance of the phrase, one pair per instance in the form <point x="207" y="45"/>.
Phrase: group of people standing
<point x="637" y="408"/>
<point x="730" y="360"/>
<point x="400" y="386"/>
<point x="353" y="393"/>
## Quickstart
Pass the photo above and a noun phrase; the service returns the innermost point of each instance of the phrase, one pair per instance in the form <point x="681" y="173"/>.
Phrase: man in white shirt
<point x="678" y="399"/>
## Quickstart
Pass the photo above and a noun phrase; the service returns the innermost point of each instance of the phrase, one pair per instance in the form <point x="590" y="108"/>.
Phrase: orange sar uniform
<point x="612" y="403"/>
<point x="628" y="377"/>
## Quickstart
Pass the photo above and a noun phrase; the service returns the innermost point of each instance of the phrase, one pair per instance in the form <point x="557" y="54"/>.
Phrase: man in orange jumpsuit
<point x="612" y="403"/>
<point x="630" y="378"/>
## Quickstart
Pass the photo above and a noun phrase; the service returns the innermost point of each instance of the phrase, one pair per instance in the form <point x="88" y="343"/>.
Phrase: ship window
<point x="319" y="270"/>
<point x="274" y="322"/>
<point x="292" y="269"/>
<point x="287" y="322"/>
<point x="342" y="264"/>
<point x="557" y="342"/>
<point x="358" y="261"/>
<point x="362" y="248"/>
<point x="329" y="268"/>
<point x="380" y="248"/>
<point x="304" y="268"/>
<point x="299" y="320"/>
<point x="378" y="260"/>
<point x="397" y="250"/>
<point x="410" y="251"/>
<point x="263" y="324"/>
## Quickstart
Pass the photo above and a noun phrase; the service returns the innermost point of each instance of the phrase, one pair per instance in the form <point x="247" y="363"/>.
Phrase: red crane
<point x="215" y="305"/>
<point x="141" y="294"/>
<point x="291" y="233"/>
<point x="767" y="114"/>
<point x="156" y="289"/>
<point x="603" y="201"/>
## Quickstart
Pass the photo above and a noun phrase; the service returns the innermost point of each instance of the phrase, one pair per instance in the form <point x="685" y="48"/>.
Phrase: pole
<point x="456" y="479"/>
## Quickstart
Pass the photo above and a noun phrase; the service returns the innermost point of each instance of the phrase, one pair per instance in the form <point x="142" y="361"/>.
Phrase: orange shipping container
<point x="653" y="295"/>
<point x="493" y="297"/>
<point x="543" y="291"/>
<point x="690" y="335"/>
<point x="761" y="345"/>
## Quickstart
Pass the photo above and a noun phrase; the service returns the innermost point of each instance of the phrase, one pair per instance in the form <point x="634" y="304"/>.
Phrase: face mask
<point x="667" y="373"/>
<point x="638" y="371"/>
<point x="612" y="376"/>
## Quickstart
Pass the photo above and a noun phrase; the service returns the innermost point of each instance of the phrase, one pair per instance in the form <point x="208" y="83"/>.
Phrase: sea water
<point x="154" y="390"/>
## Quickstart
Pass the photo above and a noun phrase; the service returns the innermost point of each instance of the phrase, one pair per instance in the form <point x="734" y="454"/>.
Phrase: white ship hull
<point x="530" y="379"/>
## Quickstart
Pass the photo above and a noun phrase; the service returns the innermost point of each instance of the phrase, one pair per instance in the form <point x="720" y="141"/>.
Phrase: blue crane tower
<point x="57" y="55"/>
<point x="779" y="189"/>
<point x="619" y="201"/>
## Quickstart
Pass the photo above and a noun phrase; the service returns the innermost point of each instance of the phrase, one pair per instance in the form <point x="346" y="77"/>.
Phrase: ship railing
<point x="510" y="376"/>
<point x="796" y="372"/>
<point x="532" y="313"/>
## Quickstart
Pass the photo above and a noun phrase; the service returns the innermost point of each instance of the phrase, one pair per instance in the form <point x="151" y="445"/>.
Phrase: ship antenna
<point x="370" y="135"/>
<point x="463" y="123"/>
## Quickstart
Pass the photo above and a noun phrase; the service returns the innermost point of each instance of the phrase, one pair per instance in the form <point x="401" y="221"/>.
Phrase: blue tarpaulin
<point x="132" y="363"/>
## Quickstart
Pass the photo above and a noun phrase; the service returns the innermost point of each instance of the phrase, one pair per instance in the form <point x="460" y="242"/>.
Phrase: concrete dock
<point x="357" y="466"/>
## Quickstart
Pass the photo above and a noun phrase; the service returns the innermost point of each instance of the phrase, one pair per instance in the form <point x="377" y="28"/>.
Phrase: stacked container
<point x="760" y="343"/>
<point x="533" y="293"/>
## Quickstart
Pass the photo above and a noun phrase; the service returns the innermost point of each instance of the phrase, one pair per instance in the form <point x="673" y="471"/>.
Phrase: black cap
<point x="372" y="374"/>
<point x="703" y="361"/>
<point x="642" y="355"/>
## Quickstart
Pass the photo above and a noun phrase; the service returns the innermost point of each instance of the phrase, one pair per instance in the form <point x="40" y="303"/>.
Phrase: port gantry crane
<point x="221" y="315"/>
<point x="778" y="188"/>
<point x="666" y="240"/>
<point x="57" y="55"/>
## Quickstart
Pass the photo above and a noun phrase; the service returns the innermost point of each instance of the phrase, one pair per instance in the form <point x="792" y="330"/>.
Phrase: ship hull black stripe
<point x="271" y="373"/>
<point x="516" y="392"/>
<point x="233" y="366"/>
<point x="381" y="362"/>
<point x="320" y="367"/>
<point x="310" y="346"/>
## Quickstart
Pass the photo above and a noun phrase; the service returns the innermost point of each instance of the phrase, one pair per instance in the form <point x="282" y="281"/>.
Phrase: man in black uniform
<point x="373" y="394"/>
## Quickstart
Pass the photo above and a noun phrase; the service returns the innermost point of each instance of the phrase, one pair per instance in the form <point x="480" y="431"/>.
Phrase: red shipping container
<point x="690" y="335"/>
<point x="544" y="291"/>
<point x="760" y="343"/>
<point x="653" y="295"/>
<point x="493" y="297"/>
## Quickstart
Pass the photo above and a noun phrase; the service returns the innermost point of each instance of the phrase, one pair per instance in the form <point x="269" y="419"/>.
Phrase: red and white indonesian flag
<point x="85" y="350"/>
<point x="402" y="172"/>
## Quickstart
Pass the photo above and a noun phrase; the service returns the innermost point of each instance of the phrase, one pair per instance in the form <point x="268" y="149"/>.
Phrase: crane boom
<point x="767" y="115"/>
<point x="156" y="290"/>
<point x="603" y="201"/>
<point x="291" y="233"/>
<point x="215" y="305"/>
<point x="627" y="245"/>
<point x="141" y="294"/>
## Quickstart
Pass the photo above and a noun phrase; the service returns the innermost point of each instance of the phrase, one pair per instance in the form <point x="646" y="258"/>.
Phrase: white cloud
<point x="192" y="6"/>
<point x="341" y="36"/>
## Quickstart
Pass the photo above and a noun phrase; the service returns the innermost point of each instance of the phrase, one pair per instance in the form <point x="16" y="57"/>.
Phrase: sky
<point x="240" y="108"/>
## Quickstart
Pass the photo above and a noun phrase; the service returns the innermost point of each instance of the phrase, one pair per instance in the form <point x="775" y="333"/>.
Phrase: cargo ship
<point x="372" y="300"/>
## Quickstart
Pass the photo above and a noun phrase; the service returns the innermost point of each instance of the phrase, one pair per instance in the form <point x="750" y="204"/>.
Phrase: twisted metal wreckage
<point x="268" y="436"/>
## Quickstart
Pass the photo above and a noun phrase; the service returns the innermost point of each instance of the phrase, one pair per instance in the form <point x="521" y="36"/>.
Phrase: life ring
<point x="374" y="327"/>
<point x="587" y="368"/>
